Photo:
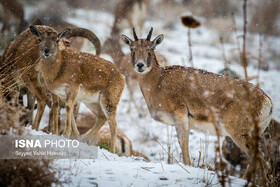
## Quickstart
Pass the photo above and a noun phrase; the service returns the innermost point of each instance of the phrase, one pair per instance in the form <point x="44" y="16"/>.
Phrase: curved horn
<point x="85" y="33"/>
<point x="134" y="34"/>
<point x="150" y="34"/>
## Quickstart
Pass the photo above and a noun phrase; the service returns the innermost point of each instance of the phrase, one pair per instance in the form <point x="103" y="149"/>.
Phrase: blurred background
<point x="216" y="45"/>
<point x="215" y="15"/>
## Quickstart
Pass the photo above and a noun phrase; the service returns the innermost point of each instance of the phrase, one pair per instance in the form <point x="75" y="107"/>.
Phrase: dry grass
<point x="258" y="172"/>
<point x="220" y="165"/>
<point x="22" y="172"/>
<point x="10" y="116"/>
<point x="28" y="173"/>
<point x="270" y="146"/>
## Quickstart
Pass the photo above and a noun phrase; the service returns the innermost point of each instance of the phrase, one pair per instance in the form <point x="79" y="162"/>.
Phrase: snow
<point x="131" y="172"/>
<point x="142" y="130"/>
<point x="111" y="170"/>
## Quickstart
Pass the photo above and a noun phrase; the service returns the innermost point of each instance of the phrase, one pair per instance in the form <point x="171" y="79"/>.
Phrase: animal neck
<point x="117" y="56"/>
<point x="51" y="67"/>
<point x="147" y="80"/>
<point x="114" y="49"/>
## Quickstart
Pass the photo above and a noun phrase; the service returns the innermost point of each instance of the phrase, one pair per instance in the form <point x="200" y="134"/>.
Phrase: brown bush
<point x="22" y="172"/>
<point x="10" y="118"/>
<point x="27" y="173"/>
<point x="270" y="146"/>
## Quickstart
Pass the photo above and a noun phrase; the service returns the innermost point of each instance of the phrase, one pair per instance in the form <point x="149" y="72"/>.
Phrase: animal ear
<point x="35" y="31"/>
<point x="157" y="40"/>
<point x="126" y="40"/>
<point x="63" y="34"/>
<point x="37" y="22"/>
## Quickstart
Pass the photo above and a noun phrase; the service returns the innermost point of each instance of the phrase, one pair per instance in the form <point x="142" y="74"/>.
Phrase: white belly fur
<point x="163" y="117"/>
<point x="168" y="119"/>
<point x="87" y="97"/>
<point x="207" y="128"/>
<point x="61" y="91"/>
<point x="83" y="95"/>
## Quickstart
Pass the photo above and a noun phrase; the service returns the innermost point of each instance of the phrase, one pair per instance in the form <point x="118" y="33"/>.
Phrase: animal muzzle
<point x="46" y="52"/>
<point x="140" y="66"/>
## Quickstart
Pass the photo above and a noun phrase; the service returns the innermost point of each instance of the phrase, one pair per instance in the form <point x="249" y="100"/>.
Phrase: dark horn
<point x="150" y="34"/>
<point x="134" y="34"/>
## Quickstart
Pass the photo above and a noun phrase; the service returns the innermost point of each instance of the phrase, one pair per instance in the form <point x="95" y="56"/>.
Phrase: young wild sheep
<point x="20" y="63"/>
<point x="83" y="77"/>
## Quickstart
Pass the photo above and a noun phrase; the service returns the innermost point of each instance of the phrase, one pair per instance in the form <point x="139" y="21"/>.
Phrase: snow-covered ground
<point x="111" y="170"/>
<point x="144" y="132"/>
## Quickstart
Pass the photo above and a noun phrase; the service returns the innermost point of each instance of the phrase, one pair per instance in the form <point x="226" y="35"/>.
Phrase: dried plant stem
<point x="237" y="37"/>
<point x="169" y="159"/>
<point x="223" y="175"/>
<point x="173" y="157"/>
<point x="190" y="47"/>
<point x="244" y="60"/>
<point x="257" y="156"/>
<point x="224" y="53"/>
<point x="259" y="59"/>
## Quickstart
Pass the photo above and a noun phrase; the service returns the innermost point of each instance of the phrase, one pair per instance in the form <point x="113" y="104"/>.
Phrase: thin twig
<point x="259" y="60"/>
<point x="106" y="156"/>
<point x="173" y="158"/>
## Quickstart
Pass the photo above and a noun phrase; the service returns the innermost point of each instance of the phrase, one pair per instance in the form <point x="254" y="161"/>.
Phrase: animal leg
<point x="100" y="119"/>
<point x="74" y="126"/>
<point x="34" y="86"/>
<point x="55" y="111"/>
<point x="245" y="141"/>
<point x="69" y="105"/>
<point x="183" y="131"/>
<point x="30" y="106"/>
<point x="110" y="112"/>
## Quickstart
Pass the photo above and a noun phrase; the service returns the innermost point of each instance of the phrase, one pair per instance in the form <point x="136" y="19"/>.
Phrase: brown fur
<point x="12" y="10"/>
<point x="131" y="76"/>
<point x="113" y="48"/>
<point x="19" y="66"/>
<point x="84" y="77"/>
<point x="125" y="11"/>
<point x="236" y="156"/>
<point x="76" y="42"/>
<point x="59" y="25"/>
<point x="175" y="98"/>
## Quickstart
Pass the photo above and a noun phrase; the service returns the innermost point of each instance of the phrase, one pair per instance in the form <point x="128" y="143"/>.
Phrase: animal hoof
<point x="55" y="132"/>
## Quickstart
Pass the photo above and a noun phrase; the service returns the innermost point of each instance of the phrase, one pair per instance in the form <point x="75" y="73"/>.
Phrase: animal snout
<point x="140" y="65"/>
<point x="46" y="50"/>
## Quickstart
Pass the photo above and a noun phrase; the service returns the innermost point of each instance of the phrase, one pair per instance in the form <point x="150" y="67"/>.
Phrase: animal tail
<point x="85" y="33"/>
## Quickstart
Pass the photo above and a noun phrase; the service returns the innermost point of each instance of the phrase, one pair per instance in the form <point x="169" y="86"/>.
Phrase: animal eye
<point x="150" y="52"/>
